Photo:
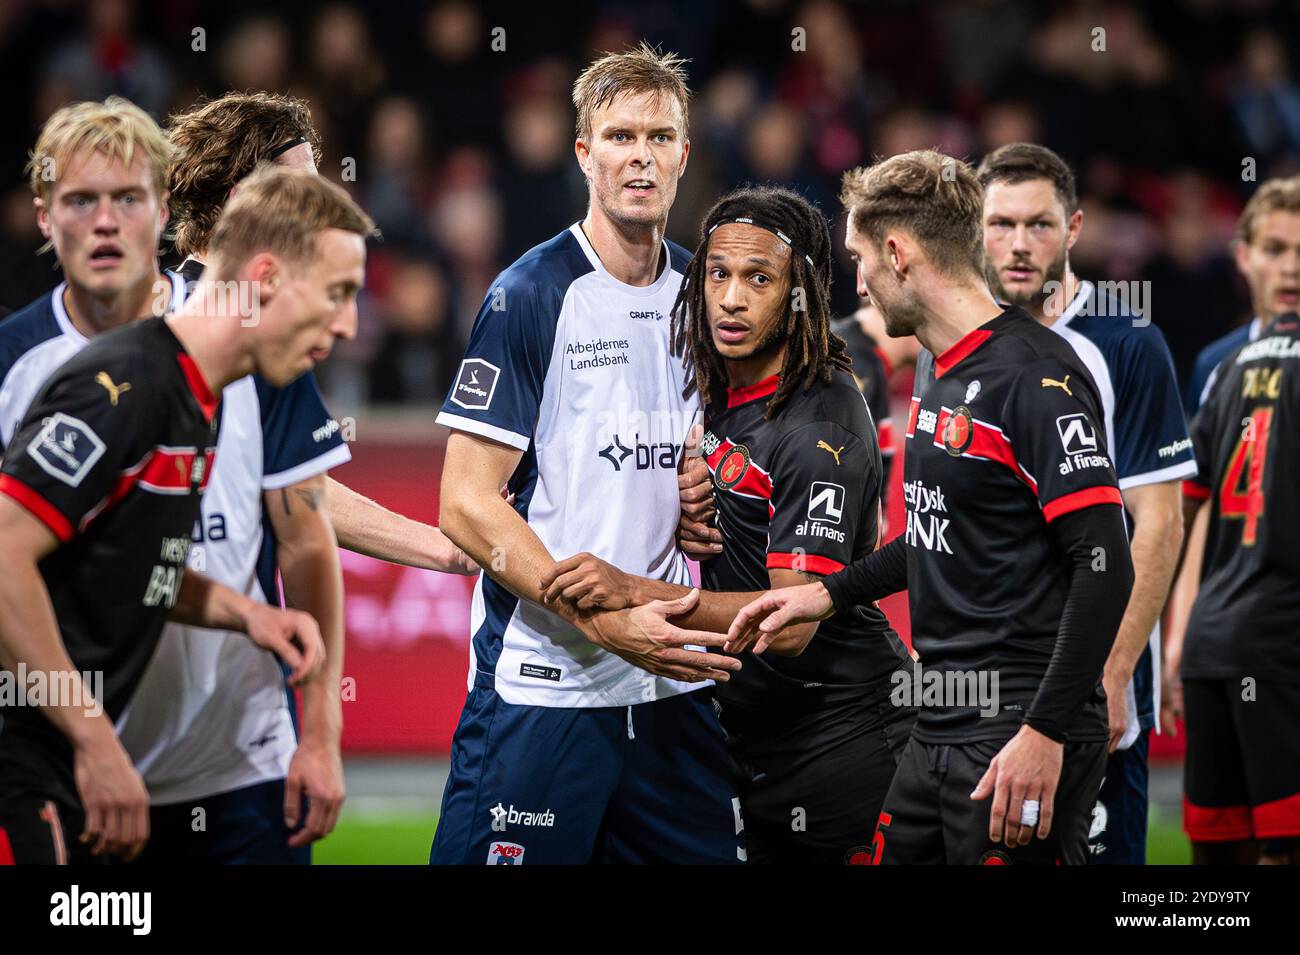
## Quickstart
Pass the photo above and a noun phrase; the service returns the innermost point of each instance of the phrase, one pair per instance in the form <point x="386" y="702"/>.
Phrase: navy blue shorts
<point x="629" y="784"/>
<point x="240" y="827"/>
<point x="1118" y="834"/>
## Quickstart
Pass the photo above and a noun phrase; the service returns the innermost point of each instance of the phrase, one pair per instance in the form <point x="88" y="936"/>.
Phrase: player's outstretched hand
<point x="316" y="771"/>
<point x="114" y="797"/>
<point x="760" y="620"/>
<point x="646" y="639"/>
<point x="588" y="583"/>
<point x="291" y="635"/>
<point x="695" y="488"/>
<point x="1028" y="767"/>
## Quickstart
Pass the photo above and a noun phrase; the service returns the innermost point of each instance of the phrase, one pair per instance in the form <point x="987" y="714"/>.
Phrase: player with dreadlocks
<point x="796" y="472"/>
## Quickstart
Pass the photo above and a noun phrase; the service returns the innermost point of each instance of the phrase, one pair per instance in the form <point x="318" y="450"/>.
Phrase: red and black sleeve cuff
<point x="1197" y="492"/>
<point x="810" y="563"/>
<point x="42" y="509"/>
<point x="1078" y="500"/>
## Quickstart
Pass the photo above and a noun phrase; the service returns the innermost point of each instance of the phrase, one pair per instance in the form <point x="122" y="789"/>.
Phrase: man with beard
<point x="1031" y="221"/>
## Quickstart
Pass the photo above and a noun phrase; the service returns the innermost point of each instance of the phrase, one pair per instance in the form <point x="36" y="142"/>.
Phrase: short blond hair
<point x="642" y="69"/>
<point x="281" y="211"/>
<point x="115" y="127"/>
<point x="935" y="197"/>
<point x="1272" y="196"/>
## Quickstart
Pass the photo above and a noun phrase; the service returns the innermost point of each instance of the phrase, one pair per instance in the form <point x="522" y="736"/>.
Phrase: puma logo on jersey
<point x="1063" y="385"/>
<point x="835" y="452"/>
<point x="114" y="391"/>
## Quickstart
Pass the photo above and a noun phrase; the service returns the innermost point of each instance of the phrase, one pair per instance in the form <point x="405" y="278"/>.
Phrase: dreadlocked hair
<point x="812" y="350"/>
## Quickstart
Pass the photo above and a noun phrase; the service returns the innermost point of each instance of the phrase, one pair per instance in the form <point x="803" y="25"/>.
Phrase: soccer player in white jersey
<point x="1031" y="220"/>
<point x="582" y="740"/>
<point x="99" y="181"/>
<point x="224" y="735"/>
<point x="210" y="726"/>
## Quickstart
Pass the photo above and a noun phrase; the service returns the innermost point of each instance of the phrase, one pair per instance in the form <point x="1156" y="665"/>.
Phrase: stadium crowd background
<point x="463" y="153"/>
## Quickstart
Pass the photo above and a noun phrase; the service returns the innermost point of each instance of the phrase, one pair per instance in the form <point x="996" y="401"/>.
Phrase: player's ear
<point x="686" y="152"/>
<point x="1241" y="255"/>
<point x="1073" y="226"/>
<point x="266" y="272"/>
<point x="164" y="211"/>
<point x="583" y="152"/>
<point x="899" y="256"/>
<point x="42" y="217"/>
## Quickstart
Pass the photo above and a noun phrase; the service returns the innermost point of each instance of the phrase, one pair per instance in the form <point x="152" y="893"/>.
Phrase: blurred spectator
<point x="419" y="350"/>
<point x="257" y="56"/>
<point x="1266" y="101"/>
<point x="108" y="58"/>
<point x="451" y="121"/>
<point x="395" y="175"/>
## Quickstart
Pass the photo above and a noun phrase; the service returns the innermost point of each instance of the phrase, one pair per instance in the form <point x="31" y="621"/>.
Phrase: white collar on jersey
<point x="1076" y="303"/>
<point x="64" y="321"/>
<point x="653" y="288"/>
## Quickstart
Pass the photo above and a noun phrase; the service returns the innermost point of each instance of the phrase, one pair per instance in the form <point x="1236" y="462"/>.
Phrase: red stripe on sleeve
<point x="1196" y="491"/>
<point x="42" y="509"/>
<point x="808" y="562"/>
<point x="1077" y="501"/>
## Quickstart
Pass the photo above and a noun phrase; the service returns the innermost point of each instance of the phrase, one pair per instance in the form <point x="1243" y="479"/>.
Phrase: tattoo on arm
<point x="308" y="496"/>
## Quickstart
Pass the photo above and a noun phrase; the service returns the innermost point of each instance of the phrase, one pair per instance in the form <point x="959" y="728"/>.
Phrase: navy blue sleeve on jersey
<point x="1205" y="428"/>
<point x="498" y="389"/>
<point x="300" y="439"/>
<point x="820" y="474"/>
<point x="1151" y="437"/>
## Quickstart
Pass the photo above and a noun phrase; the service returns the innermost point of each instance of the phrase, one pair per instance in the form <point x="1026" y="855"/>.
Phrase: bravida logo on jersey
<point x="825" y="502"/>
<point x="1077" y="434"/>
<point x="475" y="384"/>
<point x="505" y="853"/>
<point x="66" y="448"/>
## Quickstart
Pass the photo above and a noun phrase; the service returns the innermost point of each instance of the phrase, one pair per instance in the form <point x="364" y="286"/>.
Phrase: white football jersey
<point x="573" y="368"/>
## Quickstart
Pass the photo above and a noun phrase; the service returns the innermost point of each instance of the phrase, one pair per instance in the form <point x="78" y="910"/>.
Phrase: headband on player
<point x="746" y="220"/>
<point x="279" y="151"/>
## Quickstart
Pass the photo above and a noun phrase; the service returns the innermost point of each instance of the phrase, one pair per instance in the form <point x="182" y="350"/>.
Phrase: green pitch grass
<point x="404" y="839"/>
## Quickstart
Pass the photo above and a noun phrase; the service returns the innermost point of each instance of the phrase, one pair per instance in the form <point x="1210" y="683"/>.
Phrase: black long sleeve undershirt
<point x="874" y="577"/>
<point x="1101" y="578"/>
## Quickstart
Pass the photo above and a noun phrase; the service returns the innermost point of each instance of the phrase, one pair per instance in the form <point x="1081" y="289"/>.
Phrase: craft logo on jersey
<point x="825" y="502"/>
<point x="958" y="431"/>
<point x="1077" y="434"/>
<point x="972" y="390"/>
<point x="475" y="384"/>
<point x="732" y="467"/>
<point x="66" y="448"/>
<point x="505" y="853"/>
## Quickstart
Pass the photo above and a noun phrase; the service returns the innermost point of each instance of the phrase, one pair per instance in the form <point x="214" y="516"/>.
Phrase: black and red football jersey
<point x="112" y="457"/>
<point x="1004" y="435"/>
<point x="799" y="491"/>
<point x="1246" y="619"/>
